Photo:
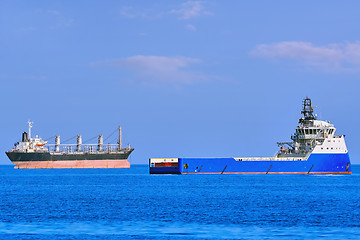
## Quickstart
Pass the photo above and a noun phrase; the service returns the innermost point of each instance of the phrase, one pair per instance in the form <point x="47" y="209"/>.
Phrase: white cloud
<point x="46" y="19"/>
<point x="191" y="27"/>
<point x="58" y="19"/>
<point x="128" y="12"/>
<point x="191" y="9"/>
<point x="159" y="69"/>
<point x="53" y="12"/>
<point x="132" y="13"/>
<point x="333" y="57"/>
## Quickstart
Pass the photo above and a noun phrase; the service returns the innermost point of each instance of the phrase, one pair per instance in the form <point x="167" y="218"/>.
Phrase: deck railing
<point x="83" y="148"/>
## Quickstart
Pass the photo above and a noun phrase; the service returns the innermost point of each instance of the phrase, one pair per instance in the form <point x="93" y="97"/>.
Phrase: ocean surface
<point x="131" y="204"/>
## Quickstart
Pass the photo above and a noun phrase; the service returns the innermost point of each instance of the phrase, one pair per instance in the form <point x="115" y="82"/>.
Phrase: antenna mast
<point x="308" y="109"/>
<point x="119" y="137"/>
<point x="30" y="126"/>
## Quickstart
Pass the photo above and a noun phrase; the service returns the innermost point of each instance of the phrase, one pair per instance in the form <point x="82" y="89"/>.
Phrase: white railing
<point x="83" y="148"/>
<point x="271" y="159"/>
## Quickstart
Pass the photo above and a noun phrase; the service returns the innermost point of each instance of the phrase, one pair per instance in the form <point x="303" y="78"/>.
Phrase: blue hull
<point x="164" y="170"/>
<point x="315" y="164"/>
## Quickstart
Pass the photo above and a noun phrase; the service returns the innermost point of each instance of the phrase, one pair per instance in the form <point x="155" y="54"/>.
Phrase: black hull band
<point x="45" y="156"/>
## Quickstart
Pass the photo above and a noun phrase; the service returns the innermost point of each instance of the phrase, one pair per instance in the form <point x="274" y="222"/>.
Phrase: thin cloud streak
<point x="191" y="27"/>
<point x="134" y="13"/>
<point x="333" y="57"/>
<point x="187" y="10"/>
<point x="126" y="11"/>
<point x="159" y="69"/>
<point x="191" y="9"/>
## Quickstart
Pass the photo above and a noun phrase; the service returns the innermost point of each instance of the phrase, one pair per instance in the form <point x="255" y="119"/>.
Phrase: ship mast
<point x="30" y="126"/>
<point x="308" y="109"/>
<point x="119" y="137"/>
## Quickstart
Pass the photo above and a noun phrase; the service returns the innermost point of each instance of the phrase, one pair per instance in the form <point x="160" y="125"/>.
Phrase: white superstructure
<point x="312" y="136"/>
<point x="29" y="144"/>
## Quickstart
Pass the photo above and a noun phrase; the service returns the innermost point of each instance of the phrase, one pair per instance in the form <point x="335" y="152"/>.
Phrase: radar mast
<point x="30" y="126"/>
<point x="308" y="110"/>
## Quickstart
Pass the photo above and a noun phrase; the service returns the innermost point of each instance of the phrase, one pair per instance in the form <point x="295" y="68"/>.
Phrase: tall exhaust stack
<point x="119" y="137"/>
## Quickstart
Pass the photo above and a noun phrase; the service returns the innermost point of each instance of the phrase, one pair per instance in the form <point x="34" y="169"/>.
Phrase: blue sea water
<point x="131" y="204"/>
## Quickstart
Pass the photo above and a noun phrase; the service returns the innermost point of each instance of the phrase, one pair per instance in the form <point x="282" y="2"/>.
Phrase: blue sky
<point x="183" y="78"/>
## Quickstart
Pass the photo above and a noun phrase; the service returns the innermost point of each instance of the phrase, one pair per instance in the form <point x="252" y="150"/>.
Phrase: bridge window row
<point x="312" y="131"/>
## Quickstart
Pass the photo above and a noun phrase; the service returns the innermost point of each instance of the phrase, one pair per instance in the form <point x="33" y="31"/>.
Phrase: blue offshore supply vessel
<point x="315" y="149"/>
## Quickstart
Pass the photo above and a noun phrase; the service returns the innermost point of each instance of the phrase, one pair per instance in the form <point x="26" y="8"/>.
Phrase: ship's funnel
<point x="57" y="143"/>
<point x="25" y="137"/>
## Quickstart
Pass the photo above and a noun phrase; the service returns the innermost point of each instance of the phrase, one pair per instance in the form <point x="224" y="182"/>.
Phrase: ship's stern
<point x="164" y="166"/>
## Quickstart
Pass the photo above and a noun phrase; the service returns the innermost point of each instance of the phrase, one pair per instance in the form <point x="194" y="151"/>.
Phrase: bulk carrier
<point x="315" y="149"/>
<point x="37" y="153"/>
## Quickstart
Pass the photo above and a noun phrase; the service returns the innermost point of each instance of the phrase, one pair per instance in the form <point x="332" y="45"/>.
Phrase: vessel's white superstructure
<point x="312" y="136"/>
<point x="29" y="144"/>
